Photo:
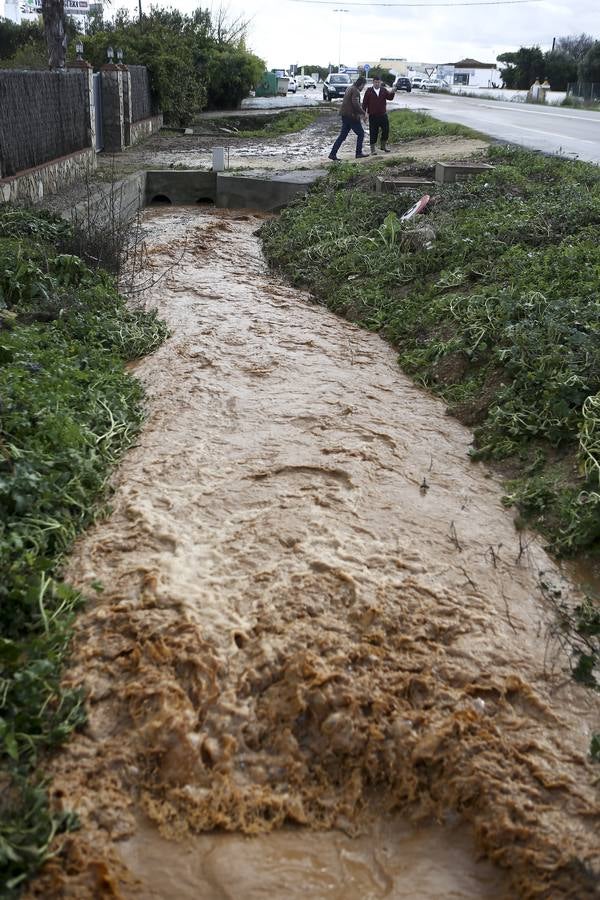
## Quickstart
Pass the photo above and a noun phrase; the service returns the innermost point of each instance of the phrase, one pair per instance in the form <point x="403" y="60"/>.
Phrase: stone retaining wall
<point x="144" y="128"/>
<point x="32" y="185"/>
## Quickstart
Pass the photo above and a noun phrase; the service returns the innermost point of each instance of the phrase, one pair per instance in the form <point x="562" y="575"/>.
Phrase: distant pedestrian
<point x="374" y="103"/>
<point x="351" y="113"/>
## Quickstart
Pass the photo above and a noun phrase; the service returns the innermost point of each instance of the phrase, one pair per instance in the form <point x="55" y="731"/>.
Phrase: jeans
<point x="349" y="124"/>
<point x="375" y="123"/>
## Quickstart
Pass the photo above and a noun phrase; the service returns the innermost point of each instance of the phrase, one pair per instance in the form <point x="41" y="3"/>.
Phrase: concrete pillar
<point x="88" y="72"/>
<point x="113" y="115"/>
<point x="126" y="105"/>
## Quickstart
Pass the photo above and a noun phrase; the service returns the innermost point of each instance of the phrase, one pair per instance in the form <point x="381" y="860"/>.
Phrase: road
<point x="568" y="132"/>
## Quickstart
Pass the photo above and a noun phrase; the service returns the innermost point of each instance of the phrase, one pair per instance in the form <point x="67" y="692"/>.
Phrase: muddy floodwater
<point x="320" y="661"/>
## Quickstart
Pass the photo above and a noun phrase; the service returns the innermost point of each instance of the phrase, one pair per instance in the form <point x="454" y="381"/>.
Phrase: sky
<point x="283" y="32"/>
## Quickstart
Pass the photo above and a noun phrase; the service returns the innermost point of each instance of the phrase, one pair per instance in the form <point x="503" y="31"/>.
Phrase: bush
<point x="68" y="411"/>
<point x="230" y="74"/>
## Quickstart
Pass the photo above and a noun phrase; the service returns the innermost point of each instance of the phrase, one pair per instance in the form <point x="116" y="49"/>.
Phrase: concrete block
<point x="181" y="186"/>
<point x="269" y="192"/>
<point x="448" y="172"/>
<point x="389" y="184"/>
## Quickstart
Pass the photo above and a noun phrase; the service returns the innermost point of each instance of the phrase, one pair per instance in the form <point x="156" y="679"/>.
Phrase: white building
<point x="470" y="73"/>
<point x="11" y="10"/>
<point x="27" y="10"/>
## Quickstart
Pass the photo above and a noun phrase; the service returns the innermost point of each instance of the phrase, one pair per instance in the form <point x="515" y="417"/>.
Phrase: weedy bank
<point x="492" y="300"/>
<point x="68" y="410"/>
<point x="288" y="122"/>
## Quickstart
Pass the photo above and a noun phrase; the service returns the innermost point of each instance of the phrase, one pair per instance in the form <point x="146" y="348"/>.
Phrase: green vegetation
<point x="194" y="60"/>
<point x="22" y="46"/>
<point x="579" y="103"/>
<point x="68" y="411"/>
<point x="284" y="123"/>
<point x="573" y="58"/>
<point x="406" y="125"/>
<point x="492" y="301"/>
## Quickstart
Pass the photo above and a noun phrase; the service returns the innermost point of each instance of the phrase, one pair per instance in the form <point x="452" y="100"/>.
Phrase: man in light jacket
<point x="352" y="113"/>
<point x="374" y="103"/>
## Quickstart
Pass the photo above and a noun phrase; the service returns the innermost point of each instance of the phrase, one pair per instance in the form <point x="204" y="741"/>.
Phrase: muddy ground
<point x="291" y="151"/>
<point x="315" y="614"/>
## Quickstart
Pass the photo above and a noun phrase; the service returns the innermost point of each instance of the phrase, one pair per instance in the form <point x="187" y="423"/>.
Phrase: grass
<point x="499" y="314"/>
<point x="578" y="103"/>
<point x="68" y="411"/>
<point x="284" y="123"/>
<point x="407" y="125"/>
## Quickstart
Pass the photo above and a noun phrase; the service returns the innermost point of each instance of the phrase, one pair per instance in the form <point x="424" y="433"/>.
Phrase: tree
<point x="53" y="14"/>
<point x="15" y="37"/>
<point x="575" y="46"/>
<point x="522" y="67"/>
<point x="322" y="71"/>
<point x="379" y="72"/>
<point x="589" y="67"/>
<point x="559" y="69"/>
<point x="191" y="59"/>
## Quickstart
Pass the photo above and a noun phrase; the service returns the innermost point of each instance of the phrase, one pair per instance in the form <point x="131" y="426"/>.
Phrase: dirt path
<point x="314" y="610"/>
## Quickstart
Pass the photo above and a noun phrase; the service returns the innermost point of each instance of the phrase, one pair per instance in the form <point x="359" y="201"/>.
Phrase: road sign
<point x="366" y="67"/>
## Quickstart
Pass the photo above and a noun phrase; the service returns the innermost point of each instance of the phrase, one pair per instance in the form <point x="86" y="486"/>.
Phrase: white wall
<point x="480" y="77"/>
<point x="509" y="96"/>
<point x="11" y="10"/>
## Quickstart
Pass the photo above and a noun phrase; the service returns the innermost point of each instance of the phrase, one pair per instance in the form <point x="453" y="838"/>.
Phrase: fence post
<point x="113" y="119"/>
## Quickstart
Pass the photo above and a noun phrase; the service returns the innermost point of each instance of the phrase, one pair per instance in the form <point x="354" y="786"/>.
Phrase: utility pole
<point x="340" y="36"/>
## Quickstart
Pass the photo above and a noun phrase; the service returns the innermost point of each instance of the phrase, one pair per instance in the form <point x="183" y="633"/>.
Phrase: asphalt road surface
<point x="568" y="132"/>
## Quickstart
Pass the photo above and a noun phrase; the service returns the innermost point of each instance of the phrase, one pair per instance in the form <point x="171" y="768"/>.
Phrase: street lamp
<point x="119" y="55"/>
<point x="340" y="37"/>
<point x="79" y="50"/>
<point x="110" y="54"/>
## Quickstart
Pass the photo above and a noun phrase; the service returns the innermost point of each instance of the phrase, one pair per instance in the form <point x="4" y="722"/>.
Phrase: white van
<point x="417" y="82"/>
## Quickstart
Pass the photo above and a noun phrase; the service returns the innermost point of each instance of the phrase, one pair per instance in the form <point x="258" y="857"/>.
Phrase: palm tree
<point x="53" y="14"/>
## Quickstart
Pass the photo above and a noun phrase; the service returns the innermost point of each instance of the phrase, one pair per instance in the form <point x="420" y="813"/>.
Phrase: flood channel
<point x="318" y="658"/>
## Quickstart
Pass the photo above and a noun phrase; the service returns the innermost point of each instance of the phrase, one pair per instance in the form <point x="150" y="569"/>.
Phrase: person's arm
<point x="365" y="103"/>
<point x="390" y="93"/>
<point x="356" y="103"/>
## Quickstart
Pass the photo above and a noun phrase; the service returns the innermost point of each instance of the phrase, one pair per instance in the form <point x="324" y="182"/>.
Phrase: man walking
<point x="352" y="113"/>
<point x="374" y="103"/>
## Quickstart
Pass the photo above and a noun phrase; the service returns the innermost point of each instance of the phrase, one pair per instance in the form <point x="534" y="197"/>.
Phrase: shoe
<point x="374" y="149"/>
<point x="384" y="149"/>
<point x="362" y="156"/>
<point x="333" y="158"/>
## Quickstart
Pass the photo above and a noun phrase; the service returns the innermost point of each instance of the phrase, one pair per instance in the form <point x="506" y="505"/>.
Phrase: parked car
<point x="335" y="85"/>
<point x="292" y="86"/>
<point x="434" y="84"/>
<point x="402" y="83"/>
<point x="305" y="81"/>
<point x="417" y="82"/>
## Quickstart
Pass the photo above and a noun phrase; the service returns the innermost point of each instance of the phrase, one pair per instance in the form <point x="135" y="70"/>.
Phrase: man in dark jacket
<point x="351" y="112"/>
<point x="374" y="103"/>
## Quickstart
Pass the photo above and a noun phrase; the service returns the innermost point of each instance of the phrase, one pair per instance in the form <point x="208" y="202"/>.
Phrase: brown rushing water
<point x="315" y="611"/>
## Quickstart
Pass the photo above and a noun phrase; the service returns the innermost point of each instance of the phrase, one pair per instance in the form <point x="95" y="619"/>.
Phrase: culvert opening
<point x="205" y="201"/>
<point x="160" y="198"/>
